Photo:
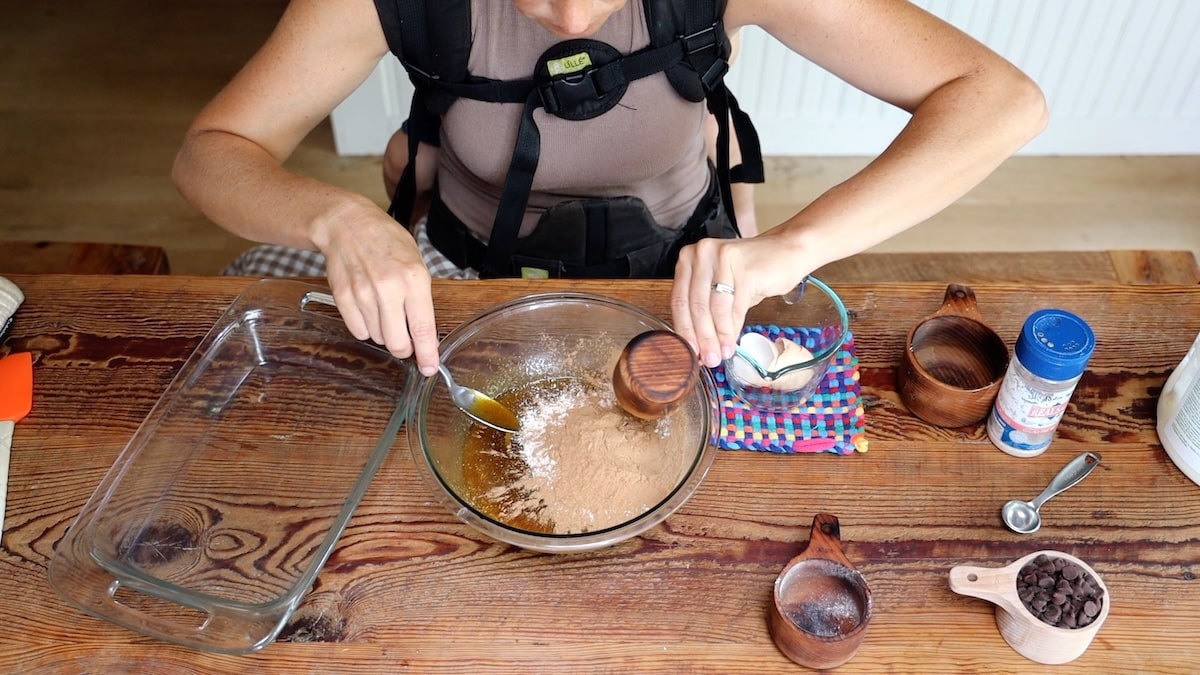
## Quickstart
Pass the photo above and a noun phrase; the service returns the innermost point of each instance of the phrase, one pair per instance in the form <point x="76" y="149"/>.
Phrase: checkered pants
<point x="271" y="260"/>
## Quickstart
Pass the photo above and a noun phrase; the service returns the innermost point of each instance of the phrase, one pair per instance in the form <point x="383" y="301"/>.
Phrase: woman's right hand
<point x="380" y="283"/>
<point x="232" y="168"/>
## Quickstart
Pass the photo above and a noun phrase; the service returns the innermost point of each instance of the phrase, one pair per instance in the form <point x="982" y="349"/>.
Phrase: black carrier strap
<point x="688" y="43"/>
<point x="702" y="76"/>
<point x="433" y="42"/>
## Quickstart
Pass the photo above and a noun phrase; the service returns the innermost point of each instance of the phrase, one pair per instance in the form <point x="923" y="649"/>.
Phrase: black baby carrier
<point x="574" y="80"/>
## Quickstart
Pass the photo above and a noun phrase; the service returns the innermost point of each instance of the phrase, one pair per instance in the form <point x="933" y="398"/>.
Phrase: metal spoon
<point x="1025" y="517"/>
<point x="479" y="406"/>
<point x="793" y="296"/>
<point x="475" y="404"/>
<point x="761" y="370"/>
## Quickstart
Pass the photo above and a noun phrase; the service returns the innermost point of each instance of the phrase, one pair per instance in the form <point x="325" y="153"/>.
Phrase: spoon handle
<point x="761" y="370"/>
<point x="796" y="294"/>
<point x="1075" y="470"/>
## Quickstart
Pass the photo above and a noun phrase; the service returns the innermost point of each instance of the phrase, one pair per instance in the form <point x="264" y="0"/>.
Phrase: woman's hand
<point x="381" y="284"/>
<point x="231" y="167"/>
<point x="717" y="281"/>
<point x="970" y="110"/>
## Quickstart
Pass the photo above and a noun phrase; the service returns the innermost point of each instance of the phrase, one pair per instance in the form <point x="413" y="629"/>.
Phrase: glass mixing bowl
<point x="582" y="474"/>
<point x="787" y="346"/>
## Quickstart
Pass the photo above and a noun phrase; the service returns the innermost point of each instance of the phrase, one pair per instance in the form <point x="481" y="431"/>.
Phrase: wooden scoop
<point x="1026" y="634"/>
<point x="822" y="604"/>
<point x="16" y="398"/>
<point x="953" y="364"/>
<point x="655" y="373"/>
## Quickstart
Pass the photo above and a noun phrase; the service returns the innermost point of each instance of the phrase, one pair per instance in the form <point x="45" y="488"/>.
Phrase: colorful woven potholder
<point x="832" y="420"/>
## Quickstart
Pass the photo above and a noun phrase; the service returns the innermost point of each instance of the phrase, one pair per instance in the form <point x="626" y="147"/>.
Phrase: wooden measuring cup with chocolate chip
<point x="656" y="372"/>
<point x="1049" y="604"/>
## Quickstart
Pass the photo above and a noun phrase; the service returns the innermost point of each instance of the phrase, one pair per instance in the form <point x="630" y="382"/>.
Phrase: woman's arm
<point x="971" y="109"/>
<point x="231" y="167"/>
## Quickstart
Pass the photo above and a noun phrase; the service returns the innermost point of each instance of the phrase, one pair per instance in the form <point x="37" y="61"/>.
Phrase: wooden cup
<point x="655" y="373"/>
<point x="1025" y="633"/>
<point x="953" y="363"/>
<point x="822" y="605"/>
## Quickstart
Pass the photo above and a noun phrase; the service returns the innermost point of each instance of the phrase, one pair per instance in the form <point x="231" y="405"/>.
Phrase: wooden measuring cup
<point x="1026" y="634"/>
<point x="822" y="605"/>
<point x="656" y="372"/>
<point x="953" y="363"/>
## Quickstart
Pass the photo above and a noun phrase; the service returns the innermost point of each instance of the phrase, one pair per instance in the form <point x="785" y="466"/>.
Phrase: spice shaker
<point x="1050" y="356"/>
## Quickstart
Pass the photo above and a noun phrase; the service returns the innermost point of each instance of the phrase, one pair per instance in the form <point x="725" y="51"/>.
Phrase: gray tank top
<point x="650" y="146"/>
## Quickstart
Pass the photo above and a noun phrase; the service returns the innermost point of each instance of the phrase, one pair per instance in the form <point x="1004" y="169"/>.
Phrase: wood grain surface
<point x="411" y="589"/>
<point x="1099" y="267"/>
<point x="51" y="257"/>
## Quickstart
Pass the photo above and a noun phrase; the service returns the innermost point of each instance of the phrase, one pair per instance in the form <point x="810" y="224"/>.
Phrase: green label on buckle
<point x="569" y="64"/>
<point x="534" y="273"/>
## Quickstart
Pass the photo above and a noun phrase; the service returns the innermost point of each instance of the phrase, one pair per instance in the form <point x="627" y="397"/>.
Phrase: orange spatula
<point x="16" y="397"/>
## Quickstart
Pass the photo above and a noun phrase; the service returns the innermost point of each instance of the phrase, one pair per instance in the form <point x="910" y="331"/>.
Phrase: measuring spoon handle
<point x="1076" y="470"/>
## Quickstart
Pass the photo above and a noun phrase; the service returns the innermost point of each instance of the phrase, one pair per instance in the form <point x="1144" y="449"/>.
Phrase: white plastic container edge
<point x="1179" y="414"/>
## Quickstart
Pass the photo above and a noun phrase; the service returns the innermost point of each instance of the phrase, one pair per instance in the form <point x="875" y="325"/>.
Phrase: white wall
<point x="363" y="122"/>
<point x="1121" y="77"/>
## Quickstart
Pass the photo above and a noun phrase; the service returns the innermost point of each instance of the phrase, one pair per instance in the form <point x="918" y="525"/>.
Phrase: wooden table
<point x="69" y="257"/>
<point x="410" y="589"/>
<point x="1138" y="267"/>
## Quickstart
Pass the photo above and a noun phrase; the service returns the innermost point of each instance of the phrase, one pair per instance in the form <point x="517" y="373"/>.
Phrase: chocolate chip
<point x="1059" y="592"/>
<point x="1052" y="615"/>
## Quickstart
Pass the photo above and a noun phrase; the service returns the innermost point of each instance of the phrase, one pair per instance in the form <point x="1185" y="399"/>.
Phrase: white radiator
<point x="1121" y="77"/>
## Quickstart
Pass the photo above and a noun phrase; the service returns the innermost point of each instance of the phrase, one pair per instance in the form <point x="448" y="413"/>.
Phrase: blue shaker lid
<point x="1055" y="344"/>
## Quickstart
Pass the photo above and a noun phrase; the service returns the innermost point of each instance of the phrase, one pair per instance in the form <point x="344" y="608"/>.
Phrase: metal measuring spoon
<point x="1025" y="517"/>
<point x="479" y="406"/>
<point x="790" y="298"/>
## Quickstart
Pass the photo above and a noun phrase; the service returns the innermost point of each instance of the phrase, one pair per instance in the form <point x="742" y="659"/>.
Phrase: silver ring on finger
<point x="722" y="288"/>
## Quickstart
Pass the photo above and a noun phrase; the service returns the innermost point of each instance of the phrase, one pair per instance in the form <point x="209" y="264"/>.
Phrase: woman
<point x="970" y="110"/>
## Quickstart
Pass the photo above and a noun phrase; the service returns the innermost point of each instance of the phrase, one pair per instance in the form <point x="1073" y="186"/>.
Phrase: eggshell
<point x="789" y="353"/>
<point x="759" y="348"/>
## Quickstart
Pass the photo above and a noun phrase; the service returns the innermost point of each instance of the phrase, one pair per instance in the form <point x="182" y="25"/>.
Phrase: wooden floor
<point x="94" y="100"/>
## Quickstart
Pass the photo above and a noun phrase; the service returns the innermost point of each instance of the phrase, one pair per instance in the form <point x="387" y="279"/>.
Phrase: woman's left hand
<point x="717" y="281"/>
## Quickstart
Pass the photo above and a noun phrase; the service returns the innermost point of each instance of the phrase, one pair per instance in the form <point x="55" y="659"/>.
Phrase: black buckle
<point x="567" y="92"/>
<point x="715" y="73"/>
<point x="712" y="68"/>
<point x="700" y="40"/>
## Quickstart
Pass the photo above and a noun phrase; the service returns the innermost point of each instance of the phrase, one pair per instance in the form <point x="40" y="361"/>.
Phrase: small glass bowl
<point x="811" y="317"/>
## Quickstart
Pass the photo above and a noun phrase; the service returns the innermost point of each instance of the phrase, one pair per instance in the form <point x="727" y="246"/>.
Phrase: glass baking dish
<point x="218" y="515"/>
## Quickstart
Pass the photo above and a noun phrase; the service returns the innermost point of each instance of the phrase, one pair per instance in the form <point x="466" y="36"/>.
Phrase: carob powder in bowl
<point x="1059" y="592"/>
<point x="579" y="464"/>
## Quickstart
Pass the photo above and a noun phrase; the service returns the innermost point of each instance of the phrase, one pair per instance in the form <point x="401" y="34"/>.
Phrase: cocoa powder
<point x="579" y="464"/>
